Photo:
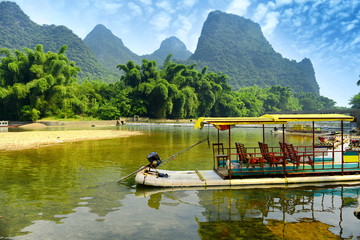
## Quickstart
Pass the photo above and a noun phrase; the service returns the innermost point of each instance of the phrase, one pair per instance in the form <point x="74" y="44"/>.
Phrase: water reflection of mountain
<point x="279" y="213"/>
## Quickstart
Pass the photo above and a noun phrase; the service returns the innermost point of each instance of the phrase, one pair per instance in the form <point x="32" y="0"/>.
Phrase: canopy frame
<point x="226" y="123"/>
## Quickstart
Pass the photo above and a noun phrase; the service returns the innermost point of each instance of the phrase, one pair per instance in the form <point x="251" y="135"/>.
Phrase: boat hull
<point x="209" y="178"/>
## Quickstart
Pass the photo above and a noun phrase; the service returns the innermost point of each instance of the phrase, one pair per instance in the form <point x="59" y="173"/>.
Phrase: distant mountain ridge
<point x="171" y="45"/>
<point x="236" y="46"/>
<point x="111" y="51"/>
<point x="18" y="31"/>
<point x="228" y="43"/>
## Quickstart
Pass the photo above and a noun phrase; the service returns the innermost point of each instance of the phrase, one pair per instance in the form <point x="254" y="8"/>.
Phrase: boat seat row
<point x="288" y="154"/>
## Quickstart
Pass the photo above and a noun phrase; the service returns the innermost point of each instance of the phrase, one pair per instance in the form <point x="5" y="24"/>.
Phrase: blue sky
<point x="326" y="31"/>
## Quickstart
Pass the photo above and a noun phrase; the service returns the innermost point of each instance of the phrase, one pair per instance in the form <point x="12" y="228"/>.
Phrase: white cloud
<point x="289" y="13"/>
<point x="189" y="3"/>
<point x="271" y="21"/>
<point x="317" y="3"/>
<point x="350" y="26"/>
<point x="192" y="42"/>
<point x="161" y="37"/>
<point x="184" y="27"/>
<point x="146" y="6"/>
<point x="109" y="7"/>
<point x="260" y="12"/>
<point x="302" y="1"/>
<point x="280" y="3"/>
<point x="298" y="21"/>
<point x="166" y="6"/>
<point x="135" y="9"/>
<point x="323" y="26"/>
<point x="334" y="3"/>
<point x="313" y="21"/>
<point x="238" y="7"/>
<point x="161" y="21"/>
<point x="355" y="41"/>
<point x="146" y="2"/>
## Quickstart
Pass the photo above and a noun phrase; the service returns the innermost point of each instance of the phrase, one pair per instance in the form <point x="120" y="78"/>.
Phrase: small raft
<point x="209" y="178"/>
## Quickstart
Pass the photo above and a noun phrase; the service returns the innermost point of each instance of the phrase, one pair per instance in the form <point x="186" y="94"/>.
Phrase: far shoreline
<point x="15" y="141"/>
<point x="35" y="134"/>
<point x="91" y="123"/>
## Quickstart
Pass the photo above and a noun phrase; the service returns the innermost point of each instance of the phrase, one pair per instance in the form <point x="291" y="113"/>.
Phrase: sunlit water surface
<point x="70" y="191"/>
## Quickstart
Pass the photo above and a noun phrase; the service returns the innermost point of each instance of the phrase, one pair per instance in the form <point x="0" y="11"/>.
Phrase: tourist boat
<point x="300" y="129"/>
<point x="284" y="164"/>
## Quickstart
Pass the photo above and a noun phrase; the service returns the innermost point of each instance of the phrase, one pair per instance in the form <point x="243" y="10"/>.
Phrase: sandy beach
<point x="12" y="141"/>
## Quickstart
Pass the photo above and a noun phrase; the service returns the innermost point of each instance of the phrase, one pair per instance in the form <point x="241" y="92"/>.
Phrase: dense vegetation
<point x="236" y="46"/>
<point x="35" y="84"/>
<point x="355" y="100"/>
<point x="18" y="31"/>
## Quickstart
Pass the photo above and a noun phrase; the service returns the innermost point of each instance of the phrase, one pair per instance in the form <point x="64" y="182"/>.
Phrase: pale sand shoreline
<point x="13" y="141"/>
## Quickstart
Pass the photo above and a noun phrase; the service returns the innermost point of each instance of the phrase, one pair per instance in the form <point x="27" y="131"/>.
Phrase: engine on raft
<point x="154" y="162"/>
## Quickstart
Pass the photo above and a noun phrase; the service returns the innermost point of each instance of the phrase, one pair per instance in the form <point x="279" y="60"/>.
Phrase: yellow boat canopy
<point x="309" y="117"/>
<point x="224" y="123"/>
<point x="220" y="123"/>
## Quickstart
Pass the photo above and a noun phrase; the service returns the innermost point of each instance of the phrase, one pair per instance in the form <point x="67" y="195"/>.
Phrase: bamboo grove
<point x="35" y="85"/>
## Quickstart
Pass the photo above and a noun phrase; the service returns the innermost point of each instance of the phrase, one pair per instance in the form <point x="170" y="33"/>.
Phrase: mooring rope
<point x="166" y="160"/>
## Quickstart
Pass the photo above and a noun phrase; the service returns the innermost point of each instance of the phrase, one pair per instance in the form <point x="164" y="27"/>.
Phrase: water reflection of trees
<point x="276" y="213"/>
<point x="49" y="183"/>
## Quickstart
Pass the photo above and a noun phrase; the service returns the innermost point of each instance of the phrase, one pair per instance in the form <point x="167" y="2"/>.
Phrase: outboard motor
<point x="154" y="159"/>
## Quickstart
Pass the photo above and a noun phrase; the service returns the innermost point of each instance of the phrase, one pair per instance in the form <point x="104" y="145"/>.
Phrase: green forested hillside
<point x="18" y="31"/>
<point x="109" y="49"/>
<point x="236" y="46"/>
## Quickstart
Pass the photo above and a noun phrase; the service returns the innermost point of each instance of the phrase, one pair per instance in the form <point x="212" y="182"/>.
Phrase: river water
<point x="70" y="191"/>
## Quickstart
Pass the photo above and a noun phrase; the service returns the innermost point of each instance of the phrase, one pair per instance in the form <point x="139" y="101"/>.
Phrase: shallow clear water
<point x="69" y="191"/>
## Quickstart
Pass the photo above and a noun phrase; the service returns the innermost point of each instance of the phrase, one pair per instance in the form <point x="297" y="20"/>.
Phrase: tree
<point x="253" y="100"/>
<point x="34" y="84"/>
<point x="109" y="112"/>
<point x="310" y="101"/>
<point x="355" y="101"/>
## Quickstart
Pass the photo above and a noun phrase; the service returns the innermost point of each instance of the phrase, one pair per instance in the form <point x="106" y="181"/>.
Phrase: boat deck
<point x="323" y="170"/>
<point x="211" y="178"/>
